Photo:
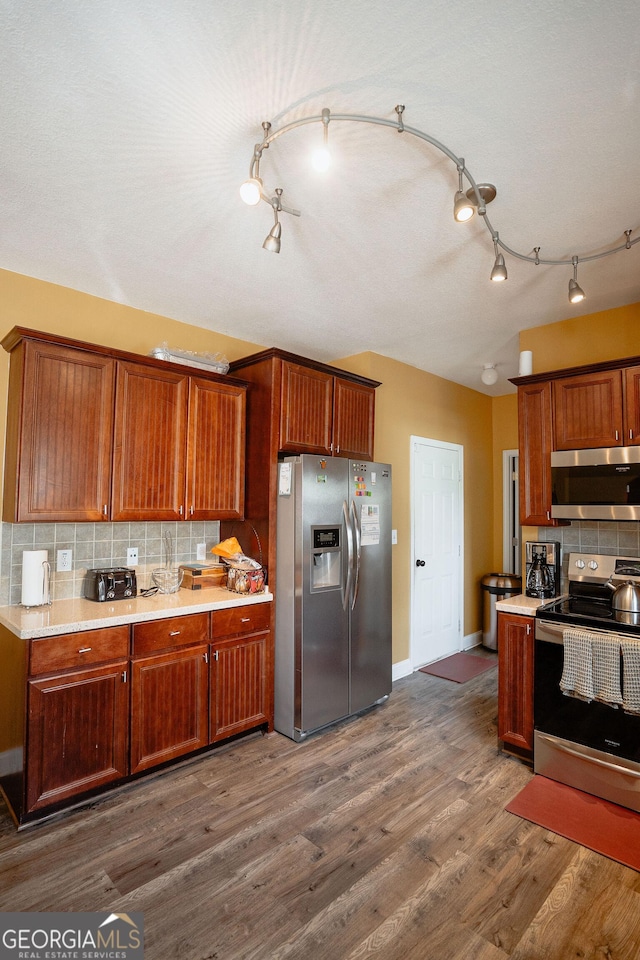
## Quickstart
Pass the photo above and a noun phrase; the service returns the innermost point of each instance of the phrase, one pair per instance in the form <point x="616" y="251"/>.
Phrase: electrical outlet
<point x="201" y="551"/>
<point x="65" y="558"/>
<point x="132" y="556"/>
<point x="394" y="536"/>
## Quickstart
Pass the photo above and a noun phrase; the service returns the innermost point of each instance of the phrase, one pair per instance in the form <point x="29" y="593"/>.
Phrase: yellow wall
<point x="409" y="403"/>
<point x="608" y="335"/>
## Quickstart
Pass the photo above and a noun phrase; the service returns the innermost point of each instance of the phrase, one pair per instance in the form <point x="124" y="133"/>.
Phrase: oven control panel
<point x="598" y="567"/>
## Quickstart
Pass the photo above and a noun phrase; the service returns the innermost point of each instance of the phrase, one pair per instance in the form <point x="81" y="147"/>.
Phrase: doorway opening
<point x="511" y="529"/>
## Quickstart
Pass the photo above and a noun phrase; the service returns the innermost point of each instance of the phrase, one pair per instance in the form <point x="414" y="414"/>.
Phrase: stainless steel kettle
<point x="626" y="596"/>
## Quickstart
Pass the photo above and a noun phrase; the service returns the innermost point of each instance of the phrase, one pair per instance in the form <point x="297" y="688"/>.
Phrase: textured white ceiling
<point x="128" y="126"/>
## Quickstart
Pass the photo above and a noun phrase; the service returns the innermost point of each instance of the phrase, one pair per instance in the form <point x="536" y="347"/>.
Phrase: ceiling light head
<point x="321" y="158"/>
<point x="499" y="271"/>
<point x="576" y="293"/>
<point x="272" y="242"/>
<point x="251" y="191"/>
<point x="489" y="374"/>
<point x="463" y="208"/>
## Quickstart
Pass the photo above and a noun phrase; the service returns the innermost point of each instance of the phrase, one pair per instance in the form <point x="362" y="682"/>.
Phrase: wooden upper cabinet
<point x="306" y="410"/>
<point x="353" y="419"/>
<point x="150" y="443"/>
<point x="535" y="437"/>
<point x="216" y="451"/>
<point x="325" y="414"/>
<point x="588" y="411"/>
<point x="59" y="434"/>
<point x="632" y="405"/>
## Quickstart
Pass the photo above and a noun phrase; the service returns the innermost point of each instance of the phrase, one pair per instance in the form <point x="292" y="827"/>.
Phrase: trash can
<point x="496" y="586"/>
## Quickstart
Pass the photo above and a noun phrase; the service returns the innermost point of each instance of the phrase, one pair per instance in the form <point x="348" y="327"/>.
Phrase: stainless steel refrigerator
<point x="333" y="591"/>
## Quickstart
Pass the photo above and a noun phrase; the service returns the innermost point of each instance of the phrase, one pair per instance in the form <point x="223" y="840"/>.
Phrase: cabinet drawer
<point x="174" y="632"/>
<point x="50" y="654"/>
<point x="245" y="619"/>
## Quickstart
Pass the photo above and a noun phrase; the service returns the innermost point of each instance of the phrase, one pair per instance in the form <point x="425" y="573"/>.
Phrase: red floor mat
<point x="597" y="824"/>
<point x="460" y="667"/>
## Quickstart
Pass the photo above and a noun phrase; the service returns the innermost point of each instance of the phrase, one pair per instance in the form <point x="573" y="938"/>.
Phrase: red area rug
<point x="597" y="824"/>
<point x="460" y="667"/>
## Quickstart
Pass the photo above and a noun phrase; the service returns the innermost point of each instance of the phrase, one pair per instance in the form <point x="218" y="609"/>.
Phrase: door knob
<point x="421" y="563"/>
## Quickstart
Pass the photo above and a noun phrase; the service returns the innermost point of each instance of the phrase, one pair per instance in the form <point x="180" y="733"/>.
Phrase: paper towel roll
<point x="35" y="578"/>
<point x="526" y="363"/>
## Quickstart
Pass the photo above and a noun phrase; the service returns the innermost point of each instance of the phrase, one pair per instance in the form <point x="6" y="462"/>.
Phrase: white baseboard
<point x="11" y="761"/>
<point x="401" y="669"/>
<point x="472" y="640"/>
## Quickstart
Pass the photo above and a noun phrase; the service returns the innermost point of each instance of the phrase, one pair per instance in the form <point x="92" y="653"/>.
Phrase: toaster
<point x="110" y="583"/>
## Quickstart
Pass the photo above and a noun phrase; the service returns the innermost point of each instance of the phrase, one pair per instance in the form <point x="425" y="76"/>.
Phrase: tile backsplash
<point x="606" y="537"/>
<point x="97" y="545"/>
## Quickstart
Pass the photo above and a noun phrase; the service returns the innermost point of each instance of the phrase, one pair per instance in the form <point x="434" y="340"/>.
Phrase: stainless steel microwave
<point x="600" y="484"/>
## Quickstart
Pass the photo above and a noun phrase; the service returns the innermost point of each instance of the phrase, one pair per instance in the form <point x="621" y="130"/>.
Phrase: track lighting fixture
<point x="489" y="374"/>
<point x="576" y="293"/>
<point x="466" y="203"/>
<point x="272" y="241"/>
<point x="463" y="209"/>
<point x="499" y="271"/>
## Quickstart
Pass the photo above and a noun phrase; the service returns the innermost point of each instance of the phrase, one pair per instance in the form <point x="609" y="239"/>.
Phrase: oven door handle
<point x="616" y="768"/>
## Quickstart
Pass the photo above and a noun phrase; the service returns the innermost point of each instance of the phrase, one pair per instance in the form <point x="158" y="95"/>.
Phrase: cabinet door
<point x="588" y="411"/>
<point x="150" y="443"/>
<point x="76" y="732"/>
<point x="306" y="412"/>
<point x="534" y="438"/>
<point x="240" y="696"/>
<point x="632" y="405"/>
<point x="353" y="420"/>
<point x="58" y="461"/>
<point x="515" y="682"/>
<point x="216" y="451"/>
<point x="169" y="706"/>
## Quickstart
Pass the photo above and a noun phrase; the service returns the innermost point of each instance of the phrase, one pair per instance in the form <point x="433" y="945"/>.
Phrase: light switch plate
<point x="201" y="551"/>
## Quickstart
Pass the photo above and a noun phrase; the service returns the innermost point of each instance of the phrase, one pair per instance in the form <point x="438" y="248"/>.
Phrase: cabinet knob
<point x="421" y="563"/>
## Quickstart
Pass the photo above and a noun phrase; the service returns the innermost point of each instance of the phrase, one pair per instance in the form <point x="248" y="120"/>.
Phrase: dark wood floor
<point x="383" y="837"/>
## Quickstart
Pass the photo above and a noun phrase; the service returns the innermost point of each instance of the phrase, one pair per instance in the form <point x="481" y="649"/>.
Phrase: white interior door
<point x="437" y="582"/>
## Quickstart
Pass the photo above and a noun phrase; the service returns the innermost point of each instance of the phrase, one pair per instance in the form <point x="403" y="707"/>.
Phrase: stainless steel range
<point x="587" y="680"/>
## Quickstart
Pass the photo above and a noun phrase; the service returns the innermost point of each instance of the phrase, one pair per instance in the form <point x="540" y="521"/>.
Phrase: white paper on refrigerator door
<point x="369" y="524"/>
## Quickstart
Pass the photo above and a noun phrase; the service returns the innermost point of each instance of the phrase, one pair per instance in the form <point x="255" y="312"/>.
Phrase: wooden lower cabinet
<point x="169" y="706"/>
<point x="78" y="726"/>
<point x="239" y="693"/>
<point x="515" y="684"/>
<point x="107" y="704"/>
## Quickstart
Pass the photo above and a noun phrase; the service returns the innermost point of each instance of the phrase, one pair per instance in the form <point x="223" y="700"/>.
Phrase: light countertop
<point x="522" y="604"/>
<point x="71" y="616"/>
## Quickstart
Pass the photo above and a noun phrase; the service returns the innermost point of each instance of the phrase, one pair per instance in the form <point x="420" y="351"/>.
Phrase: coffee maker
<point x="542" y="569"/>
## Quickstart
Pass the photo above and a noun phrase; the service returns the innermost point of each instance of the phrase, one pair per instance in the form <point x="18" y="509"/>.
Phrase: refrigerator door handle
<point x="357" y="552"/>
<point x="346" y="588"/>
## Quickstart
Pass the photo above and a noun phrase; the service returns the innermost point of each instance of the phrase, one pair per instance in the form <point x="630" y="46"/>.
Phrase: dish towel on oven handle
<point x="591" y="669"/>
<point x="631" y="675"/>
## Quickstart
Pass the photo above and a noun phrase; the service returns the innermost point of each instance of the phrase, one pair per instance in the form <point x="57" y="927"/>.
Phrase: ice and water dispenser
<point x="326" y="558"/>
